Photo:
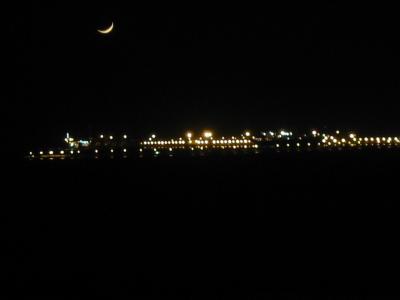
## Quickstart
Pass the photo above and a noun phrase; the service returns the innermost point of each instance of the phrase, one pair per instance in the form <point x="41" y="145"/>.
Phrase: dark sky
<point x="168" y="68"/>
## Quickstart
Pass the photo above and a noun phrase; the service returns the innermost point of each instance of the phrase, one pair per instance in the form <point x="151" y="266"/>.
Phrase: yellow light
<point x="208" y="134"/>
<point x="153" y="136"/>
<point x="51" y="152"/>
<point x="298" y="145"/>
<point x="62" y="152"/>
<point x="96" y="151"/>
<point x="111" y="137"/>
<point x="41" y="152"/>
<point x="366" y="139"/>
<point x="189" y="135"/>
<point x="102" y="136"/>
<point x="112" y="151"/>
<point x="247" y="133"/>
<point x="314" y="132"/>
<point x="125" y="150"/>
<point x="277" y="145"/>
<point x="337" y="132"/>
<point x="125" y="136"/>
<point x="352" y="136"/>
<point x="343" y="141"/>
<point x="72" y="152"/>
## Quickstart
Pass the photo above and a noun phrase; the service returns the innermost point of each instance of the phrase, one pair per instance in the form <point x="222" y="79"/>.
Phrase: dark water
<point x="282" y="225"/>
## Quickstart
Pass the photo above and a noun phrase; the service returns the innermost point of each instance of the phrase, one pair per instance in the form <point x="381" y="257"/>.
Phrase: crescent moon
<point x="108" y="30"/>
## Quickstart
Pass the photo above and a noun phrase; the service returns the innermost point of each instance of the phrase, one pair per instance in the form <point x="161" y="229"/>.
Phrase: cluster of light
<point x="246" y="140"/>
<point x="233" y="141"/>
<point x="208" y="134"/>
<point x="285" y="133"/>
<point x="358" y="141"/>
<point x="163" y="143"/>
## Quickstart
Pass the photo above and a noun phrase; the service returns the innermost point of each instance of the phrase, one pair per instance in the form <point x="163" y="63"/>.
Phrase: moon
<point x="107" y="30"/>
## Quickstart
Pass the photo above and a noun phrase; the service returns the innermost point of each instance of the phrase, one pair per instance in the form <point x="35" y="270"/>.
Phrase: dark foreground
<point x="279" y="226"/>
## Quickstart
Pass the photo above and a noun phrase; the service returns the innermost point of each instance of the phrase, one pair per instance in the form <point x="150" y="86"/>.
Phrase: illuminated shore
<point x="208" y="143"/>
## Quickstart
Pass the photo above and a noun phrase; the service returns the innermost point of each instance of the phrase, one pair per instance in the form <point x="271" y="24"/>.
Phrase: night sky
<point x="169" y="68"/>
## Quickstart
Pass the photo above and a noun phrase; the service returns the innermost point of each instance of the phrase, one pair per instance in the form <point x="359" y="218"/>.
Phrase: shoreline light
<point x="208" y="134"/>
